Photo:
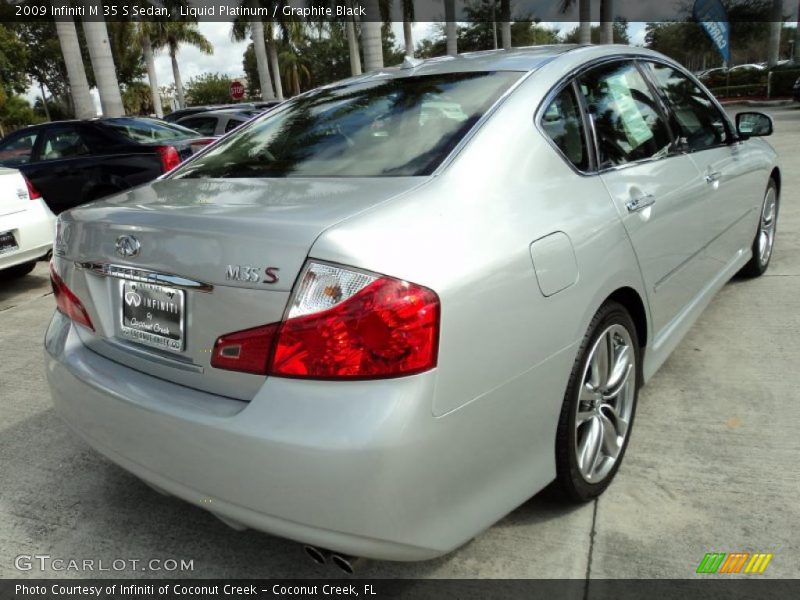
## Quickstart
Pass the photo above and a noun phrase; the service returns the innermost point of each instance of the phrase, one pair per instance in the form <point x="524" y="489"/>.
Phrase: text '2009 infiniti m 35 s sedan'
<point x="385" y="314"/>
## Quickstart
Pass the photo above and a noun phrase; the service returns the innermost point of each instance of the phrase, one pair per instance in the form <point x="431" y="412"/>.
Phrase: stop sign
<point x="237" y="90"/>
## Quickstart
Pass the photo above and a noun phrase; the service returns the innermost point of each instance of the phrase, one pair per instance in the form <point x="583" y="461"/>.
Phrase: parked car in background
<point x="748" y="67"/>
<point x="27" y="226"/>
<point x="377" y="329"/>
<point x="73" y="162"/>
<point x="217" y="122"/>
<point x="253" y="108"/>
<point x="796" y="90"/>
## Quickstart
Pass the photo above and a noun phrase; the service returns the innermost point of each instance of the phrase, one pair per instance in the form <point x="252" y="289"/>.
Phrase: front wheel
<point x="599" y="405"/>
<point x="764" y="241"/>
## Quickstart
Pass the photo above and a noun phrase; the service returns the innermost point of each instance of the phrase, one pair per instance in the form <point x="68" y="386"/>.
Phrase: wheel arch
<point x="633" y="303"/>
<point x="776" y="176"/>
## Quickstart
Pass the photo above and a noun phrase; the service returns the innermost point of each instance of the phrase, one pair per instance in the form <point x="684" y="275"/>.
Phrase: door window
<point x="233" y="123"/>
<point x="627" y="120"/>
<point x="698" y="122"/>
<point x="17" y="151"/>
<point x="563" y="124"/>
<point x="63" y="143"/>
<point x="202" y="125"/>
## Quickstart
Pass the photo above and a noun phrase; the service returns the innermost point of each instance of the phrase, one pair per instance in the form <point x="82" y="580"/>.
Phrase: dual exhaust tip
<point x="347" y="564"/>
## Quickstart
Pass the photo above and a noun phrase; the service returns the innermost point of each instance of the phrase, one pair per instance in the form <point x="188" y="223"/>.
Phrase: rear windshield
<point x="385" y="127"/>
<point x="145" y="130"/>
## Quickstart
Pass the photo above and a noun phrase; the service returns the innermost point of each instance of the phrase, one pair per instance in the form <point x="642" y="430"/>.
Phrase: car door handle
<point x="713" y="177"/>
<point x="637" y="204"/>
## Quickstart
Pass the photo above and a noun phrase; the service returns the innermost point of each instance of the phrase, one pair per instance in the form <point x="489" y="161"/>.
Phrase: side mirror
<point x="753" y="124"/>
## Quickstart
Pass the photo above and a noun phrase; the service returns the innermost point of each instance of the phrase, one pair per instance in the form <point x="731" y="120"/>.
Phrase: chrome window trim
<point x="144" y="276"/>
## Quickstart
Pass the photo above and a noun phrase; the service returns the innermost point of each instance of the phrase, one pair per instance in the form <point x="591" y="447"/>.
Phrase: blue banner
<point x="712" y="16"/>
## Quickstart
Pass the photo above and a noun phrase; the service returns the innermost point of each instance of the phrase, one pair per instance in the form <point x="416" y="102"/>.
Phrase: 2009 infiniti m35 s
<point x="382" y="316"/>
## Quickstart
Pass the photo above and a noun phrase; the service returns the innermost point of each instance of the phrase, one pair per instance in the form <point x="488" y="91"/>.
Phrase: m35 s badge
<point x="248" y="274"/>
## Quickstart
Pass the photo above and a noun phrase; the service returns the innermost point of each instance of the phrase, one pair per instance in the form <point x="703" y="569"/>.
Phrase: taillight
<point x="67" y="302"/>
<point x="198" y="145"/>
<point x="169" y="157"/>
<point x="342" y="324"/>
<point x="33" y="193"/>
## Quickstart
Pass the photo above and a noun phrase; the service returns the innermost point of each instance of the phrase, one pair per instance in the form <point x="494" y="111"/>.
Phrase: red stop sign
<point x="237" y="90"/>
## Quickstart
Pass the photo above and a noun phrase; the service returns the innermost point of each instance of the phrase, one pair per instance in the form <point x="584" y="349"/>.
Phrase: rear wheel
<point x="17" y="270"/>
<point x="599" y="405"/>
<point x="764" y="241"/>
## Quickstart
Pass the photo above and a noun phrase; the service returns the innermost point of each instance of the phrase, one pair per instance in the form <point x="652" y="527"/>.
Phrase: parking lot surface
<point x="711" y="467"/>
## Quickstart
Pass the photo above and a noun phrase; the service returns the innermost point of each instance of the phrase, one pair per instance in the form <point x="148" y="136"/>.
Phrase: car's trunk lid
<point x="13" y="192"/>
<point x="212" y="242"/>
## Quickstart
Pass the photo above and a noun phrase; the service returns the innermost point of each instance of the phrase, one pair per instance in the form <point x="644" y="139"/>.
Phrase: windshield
<point x="146" y="130"/>
<point x="386" y="127"/>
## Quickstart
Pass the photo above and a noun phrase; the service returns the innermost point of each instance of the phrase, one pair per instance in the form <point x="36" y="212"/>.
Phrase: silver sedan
<point x="382" y="316"/>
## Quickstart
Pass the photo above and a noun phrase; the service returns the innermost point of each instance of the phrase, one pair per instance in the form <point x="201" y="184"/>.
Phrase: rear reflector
<point x="342" y="324"/>
<point x="169" y="157"/>
<point x="67" y="302"/>
<point x="33" y="193"/>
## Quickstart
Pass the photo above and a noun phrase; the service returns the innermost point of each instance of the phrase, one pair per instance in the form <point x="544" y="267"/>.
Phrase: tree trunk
<point x="606" y="21"/>
<point x="274" y="65"/>
<point x="776" y="23"/>
<point x="505" y="24"/>
<point x="796" y="57"/>
<point x="147" y="50"/>
<point x="257" y="35"/>
<point x="585" y="17"/>
<point x="78" y="86"/>
<point x="44" y="101"/>
<point x="176" y="74"/>
<point x="352" y="43"/>
<point x="408" y="36"/>
<point x="451" y="32"/>
<point x="105" y="73"/>
<point x="371" y="40"/>
<point x="296" y="80"/>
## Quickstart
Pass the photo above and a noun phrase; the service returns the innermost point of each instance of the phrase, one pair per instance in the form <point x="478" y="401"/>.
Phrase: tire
<point x="605" y="398"/>
<point x="764" y="242"/>
<point x="17" y="271"/>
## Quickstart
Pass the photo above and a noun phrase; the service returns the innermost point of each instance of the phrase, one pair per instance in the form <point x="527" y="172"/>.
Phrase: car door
<point x="63" y="166"/>
<point x="734" y="185"/>
<point x="656" y="189"/>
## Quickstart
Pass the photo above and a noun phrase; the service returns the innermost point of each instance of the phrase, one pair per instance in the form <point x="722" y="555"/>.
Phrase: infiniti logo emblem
<point x="133" y="299"/>
<point x="128" y="246"/>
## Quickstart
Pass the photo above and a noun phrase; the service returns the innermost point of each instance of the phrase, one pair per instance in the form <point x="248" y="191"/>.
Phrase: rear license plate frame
<point x="146" y="309"/>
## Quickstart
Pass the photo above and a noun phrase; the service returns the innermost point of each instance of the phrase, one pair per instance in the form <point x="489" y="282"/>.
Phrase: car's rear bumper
<point x="34" y="230"/>
<point x="367" y="471"/>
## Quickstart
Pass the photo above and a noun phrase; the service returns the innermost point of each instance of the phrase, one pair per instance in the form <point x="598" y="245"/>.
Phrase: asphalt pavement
<point x="712" y="465"/>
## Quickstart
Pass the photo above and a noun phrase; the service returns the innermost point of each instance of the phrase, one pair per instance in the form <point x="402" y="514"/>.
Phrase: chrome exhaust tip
<point x="317" y="555"/>
<point x="347" y="564"/>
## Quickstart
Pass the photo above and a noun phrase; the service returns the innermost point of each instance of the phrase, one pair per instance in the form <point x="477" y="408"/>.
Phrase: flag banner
<point x="712" y="16"/>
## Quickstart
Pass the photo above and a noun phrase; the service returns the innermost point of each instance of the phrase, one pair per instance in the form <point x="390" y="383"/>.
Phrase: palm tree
<point x="451" y="32"/>
<point x="274" y="63"/>
<point x="585" y="17"/>
<point x="352" y="43"/>
<point x="371" y="40"/>
<point x="408" y="32"/>
<point x="505" y="23"/>
<point x="262" y="62"/>
<point x="606" y="21"/>
<point x="171" y="34"/>
<point x="78" y="85"/>
<point x="775" y="26"/>
<point x="105" y="74"/>
<point x="147" y="51"/>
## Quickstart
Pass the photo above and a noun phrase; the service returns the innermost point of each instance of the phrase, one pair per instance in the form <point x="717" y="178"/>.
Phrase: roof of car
<point x="233" y="112"/>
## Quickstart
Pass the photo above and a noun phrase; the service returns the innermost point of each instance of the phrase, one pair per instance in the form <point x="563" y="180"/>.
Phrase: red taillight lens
<point x="342" y="325"/>
<point x="33" y="193"/>
<point x="169" y="157"/>
<point x="247" y="351"/>
<point x="67" y="302"/>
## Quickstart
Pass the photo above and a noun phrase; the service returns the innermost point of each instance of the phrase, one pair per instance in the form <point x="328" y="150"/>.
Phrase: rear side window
<point x="63" y="143"/>
<point x="233" y="124"/>
<point x="699" y="122"/>
<point x="628" y="124"/>
<point x="563" y="124"/>
<point x="202" y="125"/>
<point x="143" y="130"/>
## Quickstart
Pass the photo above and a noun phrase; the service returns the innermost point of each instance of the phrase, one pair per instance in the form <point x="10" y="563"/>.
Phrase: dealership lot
<point x="711" y="466"/>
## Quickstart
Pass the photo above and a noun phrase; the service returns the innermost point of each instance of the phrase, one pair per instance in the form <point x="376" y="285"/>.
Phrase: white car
<point x="27" y="227"/>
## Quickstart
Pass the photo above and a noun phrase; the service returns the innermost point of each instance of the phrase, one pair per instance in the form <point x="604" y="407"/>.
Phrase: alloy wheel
<point x="766" y="232"/>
